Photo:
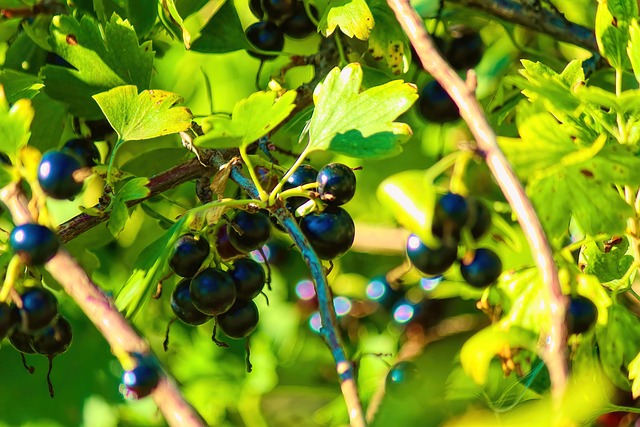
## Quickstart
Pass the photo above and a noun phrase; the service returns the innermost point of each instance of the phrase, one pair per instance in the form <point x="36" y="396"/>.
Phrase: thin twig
<point x="553" y="351"/>
<point x="104" y="315"/>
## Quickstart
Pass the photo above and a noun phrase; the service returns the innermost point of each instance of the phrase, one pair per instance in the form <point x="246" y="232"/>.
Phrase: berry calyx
<point x="8" y="319"/>
<point x="466" y="50"/>
<point x="249" y="231"/>
<point x="34" y="243"/>
<point x="212" y="291"/>
<point x="183" y="307"/>
<point x="84" y="150"/>
<point x="298" y="25"/>
<point x="305" y="174"/>
<point x="431" y="261"/>
<point x="188" y="255"/>
<point x="249" y="278"/>
<point x="241" y="319"/>
<point x="265" y="36"/>
<point x="482" y="268"/>
<point x="55" y="175"/>
<point x="39" y="308"/>
<point x="336" y="184"/>
<point x="582" y="314"/>
<point x="330" y="232"/>
<point x="140" y="381"/>
<point x="435" y="104"/>
<point x="479" y="218"/>
<point x="53" y="340"/>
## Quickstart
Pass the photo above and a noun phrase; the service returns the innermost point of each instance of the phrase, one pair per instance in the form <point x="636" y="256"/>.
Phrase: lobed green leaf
<point x="352" y="16"/>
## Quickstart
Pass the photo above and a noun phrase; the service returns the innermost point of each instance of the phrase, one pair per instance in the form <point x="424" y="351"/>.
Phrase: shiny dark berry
<point x="431" y="261"/>
<point x="298" y="25"/>
<point x="182" y="305"/>
<point x="54" y="339"/>
<point x="336" y="184"/>
<point x="22" y="342"/>
<point x="479" y="218"/>
<point x="482" y="269"/>
<point x="330" y="232"/>
<point x="305" y="174"/>
<point x="213" y="291"/>
<point x="265" y="36"/>
<point x="249" y="231"/>
<point x="188" y="255"/>
<point x="465" y="51"/>
<point x="256" y="8"/>
<point x="8" y="319"/>
<point x="240" y="320"/>
<point x="581" y="314"/>
<point x="279" y="9"/>
<point x="451" y="214"/>
<point x="55" y="175"/>
<point x="223" y="245"/>
<point x="249" y="277"/>
<point x="436" y="105"/>
<point x="402" y="378"/>
<point x="34" y="243"/>
<point x="140" y="381"/>
<point x="39" y="309"/>
<point x="84" y="150"/>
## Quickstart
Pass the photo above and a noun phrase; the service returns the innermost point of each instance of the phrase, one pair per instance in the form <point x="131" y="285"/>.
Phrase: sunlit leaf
<point x="352" y="16"/>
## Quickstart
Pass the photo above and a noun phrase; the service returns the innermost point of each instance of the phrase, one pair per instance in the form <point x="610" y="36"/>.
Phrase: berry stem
<point x="13" y="270"/>
<point x="262" y="195"/>
<point x="292" y="169"/>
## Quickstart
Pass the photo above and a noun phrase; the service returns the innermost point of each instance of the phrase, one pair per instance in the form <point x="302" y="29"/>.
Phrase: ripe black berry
<point x="212" y="291"/>
<point x="336" y="184"/>
<point x="188" y="255"/>
<point x="330" y="232"/>
<point x="305" y="174"/>
<point x="479" y="218"/>
<point x="249" y="278"/>
<point x="182" y="305"/>
<point x="55" y="175"/>
<point x="279" y="9"/>
<point x="249" y="231"/>
<point x="4" y="159"/>
<point x="298" y="25"/>
<point x="223" y="245"/>
<point x="8" y="319"/>
<point x="21" y="342"/>
<point x="84" y="150"/>
<point x="482" y="269"/>
<point x="465" y="51"/>
<point x="581" y="314"/>
<point x="140" y="381"/>
<point x="53" y="340"/>
<point x="451" y="214"/>
<point x="240" y="320"/>
<point x="436" y="105"/>
<point x="402" y="378"/>
<point x="265" y="36"/>
<point x="34" y="243"/>
<point x="431" y="261"/>
<point x="256" y="8"/>
<point x="39" y="308"/>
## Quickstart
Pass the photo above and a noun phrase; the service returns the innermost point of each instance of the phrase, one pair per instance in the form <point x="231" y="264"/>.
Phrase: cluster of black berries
<point x="58" y="170"/>
<point x="278" y="18"/>
<point x="331" y="231"/>
<point x="453" y="212"/>
<point x="36" y="326"/>
<point x="464" y="51"/>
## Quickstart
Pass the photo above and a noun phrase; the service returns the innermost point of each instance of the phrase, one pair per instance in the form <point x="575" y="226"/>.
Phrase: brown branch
<point x="104" y="315"/>
<point x="554" y="341"/>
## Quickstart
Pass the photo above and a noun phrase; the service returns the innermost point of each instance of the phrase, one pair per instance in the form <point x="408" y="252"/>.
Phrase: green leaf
<point x="223" y="33"/>
<point x="634" y="375"/>
<point x="612" y="30"/>
<point x="146" y="115"/>
<point x="352" y="16"/>
<point x="118" y="218"/>
<point x="618" y="342"/>
<point x="252" y="118"/>
<point x="132" y="190"/>
<point x="148" y="270"/>
<point x="411" y="200"/>
<point x="97" y="53"/>
<point x="19" y="85"/>
<point x="359" y="124"/>
<point x="15" y="125"/>
<point x="388" y="42"/>
<point x="608" y="265"/>
<point x="6" y="177"/>
<point x="142" y="14"/>
<point x="633" y="49"/>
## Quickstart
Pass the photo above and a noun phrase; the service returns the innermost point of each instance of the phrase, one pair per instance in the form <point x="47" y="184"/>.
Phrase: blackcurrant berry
<point x="249" y="277"/>
<point x="436" y="105"/>
<point x="140" y="381"/>
<point x="249" y="231"/>
<point x="240" y="320"/>
<point x="482" y="269"/>
<point x="402" y="378"/>
<point x="54" y="339"/>
<point x="39" y="309"/>
<point x="84" y="150"/>
<point x="213" y="291"/>
<point x="298" y="25"/>
<point x="479" y="218"/>
<point x="305" y="174"/>
<point x="55" y="175"/>
<point x="225" y="249"/>
<point x="451" y="214"/>
<point x="265" y="36"/>
<point x="330" y="232"/>
<point x="182" y="305"/>
<point x="256" y="8"/>
<point x="189" y="252"/>
<point x="34" y="243"/>
<point x="465" y="51"/>
<point x="22" y="342"/>
<point x="336" y="184"/>
<point x="431" y="261"/>
<point x="279" y="9"/>
<point x="4" y="159"/>
<point x="581" y="314"/>
<point x="8" y="319"/>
